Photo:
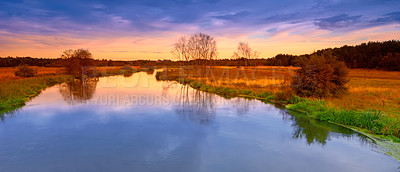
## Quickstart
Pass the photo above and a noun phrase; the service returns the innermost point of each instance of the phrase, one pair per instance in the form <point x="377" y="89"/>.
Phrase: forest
<point x="371" y="55"/>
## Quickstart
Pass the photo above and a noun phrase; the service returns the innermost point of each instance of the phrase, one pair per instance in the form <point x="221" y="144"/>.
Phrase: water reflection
<point x="200" y="107"/>
<point x="190" y="130"/>
<point x="318" y="132"/>
<point x="79" y="90"/>
<point x="197" y="106"/>
<point x="242" y="106"/>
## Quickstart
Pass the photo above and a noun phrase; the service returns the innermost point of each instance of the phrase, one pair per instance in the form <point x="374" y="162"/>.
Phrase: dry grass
<point x="7" y="73"/>
<point x="258" y="79"/>
<point x="368" y="89"/>
<point x="372" y="89"/>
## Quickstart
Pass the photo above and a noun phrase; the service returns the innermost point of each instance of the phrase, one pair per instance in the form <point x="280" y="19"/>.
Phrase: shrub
<point x="320" y="76"/>
<point x="245" y="92"/>
<point x="265" y="94"/>
<point x="159" y="75"/>
<point x="283" y="96"/>
<point x="75" y="60"/>
<point x="127" y="71"/>
<point x="294" y="99"/>
<point x="269" y="98"/>
<point x="25" y="71"/>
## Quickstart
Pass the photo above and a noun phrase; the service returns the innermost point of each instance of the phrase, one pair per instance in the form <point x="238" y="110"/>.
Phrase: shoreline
<point x="15" y="93"/>
<point x="388" y="144"/>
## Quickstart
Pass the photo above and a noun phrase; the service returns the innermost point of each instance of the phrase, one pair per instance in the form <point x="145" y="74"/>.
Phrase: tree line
<point x="57" y="62"/>
<point x="371" y="55"/>
<point x="201" y="49"/>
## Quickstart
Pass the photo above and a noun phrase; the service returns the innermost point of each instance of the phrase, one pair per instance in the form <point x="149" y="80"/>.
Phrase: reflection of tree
<point x="241" y="105"/>
<point x="315" y="131"/>
<point x="78" y="90"/>
<point x="199" y="107"/>
<point x="195" y="105"/>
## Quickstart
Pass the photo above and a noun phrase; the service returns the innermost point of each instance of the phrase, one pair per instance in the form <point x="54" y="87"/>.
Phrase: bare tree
<point x="180" y="49"/>
<point x="244" y="52"/>
<point x="199" y="47"/>
<point x="202" y="47"/>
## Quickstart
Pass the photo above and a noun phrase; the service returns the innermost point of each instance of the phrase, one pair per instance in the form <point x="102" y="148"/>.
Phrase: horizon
<point x="147" y="30"/>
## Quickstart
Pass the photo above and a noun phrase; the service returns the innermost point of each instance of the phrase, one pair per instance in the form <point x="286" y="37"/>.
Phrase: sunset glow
<point x="125" y="30"/>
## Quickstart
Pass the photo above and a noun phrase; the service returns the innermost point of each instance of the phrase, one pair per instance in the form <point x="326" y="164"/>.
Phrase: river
<point x="136" y="123"/>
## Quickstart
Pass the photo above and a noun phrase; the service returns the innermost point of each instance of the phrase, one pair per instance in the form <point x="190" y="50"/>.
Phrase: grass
<point x="7" y="73"/>
<point x="14" y="93"/>
<point x="371" y="120"/>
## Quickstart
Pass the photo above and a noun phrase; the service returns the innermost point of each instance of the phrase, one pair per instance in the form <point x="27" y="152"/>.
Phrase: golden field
<point x="7" y="73"/>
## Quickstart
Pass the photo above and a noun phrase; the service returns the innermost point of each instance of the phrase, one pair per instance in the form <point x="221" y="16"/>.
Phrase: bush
<point x="321" y="76"/>
<point x="74" y="61"/>
<point x="127" y="71"/>
<point x="25" y="71"/>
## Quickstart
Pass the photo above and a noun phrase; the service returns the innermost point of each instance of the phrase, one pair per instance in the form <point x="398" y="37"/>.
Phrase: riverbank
<point x="270" y="84"/>
<point x="15" y="93"/>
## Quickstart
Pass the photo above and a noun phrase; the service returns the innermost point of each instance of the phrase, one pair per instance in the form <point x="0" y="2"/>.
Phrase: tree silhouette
<point x="245" y="53"/>
<point x="76" y="62"/>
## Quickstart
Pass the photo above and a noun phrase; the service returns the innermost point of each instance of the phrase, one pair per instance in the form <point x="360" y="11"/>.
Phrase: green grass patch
<point x="14" y="93"/>
<point x="371" y="120"/>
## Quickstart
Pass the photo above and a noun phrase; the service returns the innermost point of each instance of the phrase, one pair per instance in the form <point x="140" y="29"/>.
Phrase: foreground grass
<point x="14" y="93"/>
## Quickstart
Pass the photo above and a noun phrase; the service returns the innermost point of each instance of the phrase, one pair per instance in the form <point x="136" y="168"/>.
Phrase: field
<point x="372" y="89"/>
<point x="7" y="73"/>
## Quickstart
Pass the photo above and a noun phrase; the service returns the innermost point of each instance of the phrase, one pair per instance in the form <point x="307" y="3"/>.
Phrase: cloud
<point x="388" y="18"/>
<point x="291" y="18"/>
<point x="346" y="22"/>
<point x="127" y="51"/>
<point x="232" y="16"/>
<point x="83" y="22"/>
<point x="339" y="21"/>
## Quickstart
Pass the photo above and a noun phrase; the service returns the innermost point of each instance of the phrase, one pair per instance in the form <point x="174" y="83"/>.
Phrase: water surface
<point x="139" y="124"/>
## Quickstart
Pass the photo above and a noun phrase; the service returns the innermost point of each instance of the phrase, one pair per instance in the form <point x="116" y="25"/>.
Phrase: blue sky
<point x="123" y="29"/>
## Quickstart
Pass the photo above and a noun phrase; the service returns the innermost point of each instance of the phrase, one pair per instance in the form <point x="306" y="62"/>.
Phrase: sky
<point x="147" y="29"/>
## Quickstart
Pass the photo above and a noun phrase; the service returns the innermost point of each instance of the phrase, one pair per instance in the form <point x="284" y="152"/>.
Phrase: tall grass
<point x="14" y="93"/>
<point x="371" y="120"/>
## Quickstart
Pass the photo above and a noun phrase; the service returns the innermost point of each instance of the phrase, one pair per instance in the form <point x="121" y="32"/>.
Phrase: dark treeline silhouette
<point x="57" y="62"/>
<point x="18" y="61"/>
<point x="371" y="55"/>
